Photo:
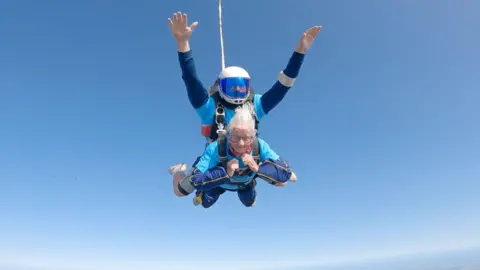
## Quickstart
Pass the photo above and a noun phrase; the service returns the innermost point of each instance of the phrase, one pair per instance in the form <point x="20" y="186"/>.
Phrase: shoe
<point x="293" y="177"/>
<point x="181" y="167"/>
<point x="197" y="199"/>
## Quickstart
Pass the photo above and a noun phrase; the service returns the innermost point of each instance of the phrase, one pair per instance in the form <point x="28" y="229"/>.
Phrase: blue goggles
<point x="236" y="87"/>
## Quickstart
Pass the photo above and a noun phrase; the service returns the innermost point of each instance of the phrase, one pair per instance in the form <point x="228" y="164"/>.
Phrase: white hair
<point x="243" y="118"/>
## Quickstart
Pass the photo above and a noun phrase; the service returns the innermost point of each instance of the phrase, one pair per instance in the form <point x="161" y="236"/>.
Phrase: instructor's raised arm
<point x="287" y="77"/>
<point x="181" y="31"/>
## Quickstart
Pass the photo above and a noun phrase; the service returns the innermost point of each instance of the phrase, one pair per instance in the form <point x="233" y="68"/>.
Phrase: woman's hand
<point x="232" y="165"/>
<point x="250" y="162"/>
<point x="307" y="39"/>
<point x="181" y="31"/>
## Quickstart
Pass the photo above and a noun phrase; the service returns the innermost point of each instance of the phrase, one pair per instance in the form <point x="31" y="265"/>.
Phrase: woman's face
<point x="240" y="139"/>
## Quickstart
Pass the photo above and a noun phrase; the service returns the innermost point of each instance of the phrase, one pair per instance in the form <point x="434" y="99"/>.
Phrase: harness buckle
<point x="219" y="112"/>
<point x="220" y="119"/>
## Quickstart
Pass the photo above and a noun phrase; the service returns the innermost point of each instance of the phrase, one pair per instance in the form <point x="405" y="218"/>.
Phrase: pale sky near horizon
<point x="381" y="127"/>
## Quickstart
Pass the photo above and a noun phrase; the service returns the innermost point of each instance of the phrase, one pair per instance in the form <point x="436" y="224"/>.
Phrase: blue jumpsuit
<point x="210" y="178"/>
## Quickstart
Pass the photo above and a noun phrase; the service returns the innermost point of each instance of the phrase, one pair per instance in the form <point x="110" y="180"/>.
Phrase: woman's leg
<point x="208" y="198"/>
<point x="248" y="196"/>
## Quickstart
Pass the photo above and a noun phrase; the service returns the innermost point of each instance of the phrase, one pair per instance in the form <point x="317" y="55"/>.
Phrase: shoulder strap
<point x="256" y="150"/>
<point x="219" y="119"/>
<point x="222" y="150"/>
<point x="218" y="131"/>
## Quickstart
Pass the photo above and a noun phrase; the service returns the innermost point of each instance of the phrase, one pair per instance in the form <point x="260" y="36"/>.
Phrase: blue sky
<point x="381" y="127"/>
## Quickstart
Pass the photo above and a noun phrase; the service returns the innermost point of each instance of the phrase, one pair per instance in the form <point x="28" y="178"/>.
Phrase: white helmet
<point x="234" y="84"/>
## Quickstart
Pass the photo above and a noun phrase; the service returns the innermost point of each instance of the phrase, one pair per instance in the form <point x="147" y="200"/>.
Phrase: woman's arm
<point x="273" y="169"/>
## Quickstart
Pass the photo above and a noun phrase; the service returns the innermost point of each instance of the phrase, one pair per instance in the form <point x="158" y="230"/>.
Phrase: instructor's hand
<point x="306" y="40"/>
<point x="181" y="31"/>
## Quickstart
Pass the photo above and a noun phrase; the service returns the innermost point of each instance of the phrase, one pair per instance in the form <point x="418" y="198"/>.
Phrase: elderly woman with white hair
<point x="236" y="168"/>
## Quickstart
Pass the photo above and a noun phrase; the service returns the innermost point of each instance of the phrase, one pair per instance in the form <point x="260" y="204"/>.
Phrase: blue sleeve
<point x="197" y="94"/>
<point x="209" y="158"/>
<point x="266" y="152"/>
<point x="278" y="91"/>
<point x="207" y="174"/>
<point x="206" y="112"/>
<point x="272" y="169"/>
<point x="257" y="103"/>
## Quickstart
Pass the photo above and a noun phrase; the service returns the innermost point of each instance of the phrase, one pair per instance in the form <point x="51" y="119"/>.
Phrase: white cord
<point x="221" y="32"/>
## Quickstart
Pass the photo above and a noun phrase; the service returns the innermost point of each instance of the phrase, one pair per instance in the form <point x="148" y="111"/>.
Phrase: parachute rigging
<point x="221" y="33"/>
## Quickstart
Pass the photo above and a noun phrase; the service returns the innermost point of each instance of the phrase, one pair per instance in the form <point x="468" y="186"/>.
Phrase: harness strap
<point x="222" y="150"/>
<point x="221" y="134"/>
<point x="222" y="156"/>
<point x="256" y="150"/>
<point x="220" y="105"/>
